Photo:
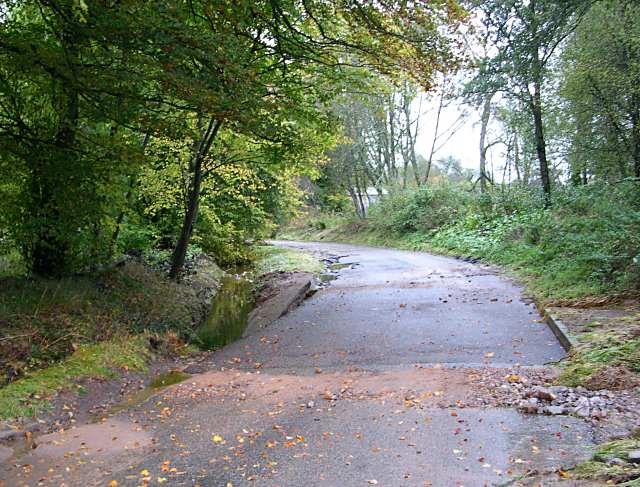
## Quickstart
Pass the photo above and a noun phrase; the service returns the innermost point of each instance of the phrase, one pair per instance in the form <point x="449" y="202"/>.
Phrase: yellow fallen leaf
<point x="144" y="473"/>
<point x="113" y="483"/>
<point x="217" y="439"/>
<point x="161" y="480"/>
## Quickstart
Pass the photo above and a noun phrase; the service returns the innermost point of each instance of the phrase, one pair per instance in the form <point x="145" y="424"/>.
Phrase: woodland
<point x="160" y="132"/>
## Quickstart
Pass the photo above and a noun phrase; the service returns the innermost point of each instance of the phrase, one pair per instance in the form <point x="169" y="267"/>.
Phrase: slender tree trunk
<point x="516" y="157"/>
<point x="541" y="148"/>
<point x="193" y="202"/>
<point x="536" y="109"/>
<point x="486" y="113"/>
<point x="435" y="138"/>
<point x="635" y="139"/>
<point x="356" y="203"/>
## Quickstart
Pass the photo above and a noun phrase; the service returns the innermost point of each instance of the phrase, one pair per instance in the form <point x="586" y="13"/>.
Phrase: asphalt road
<point x="366" y="383"/>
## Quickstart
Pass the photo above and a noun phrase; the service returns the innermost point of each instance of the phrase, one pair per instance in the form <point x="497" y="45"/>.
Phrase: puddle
<point x="328" y="277"/>
<point x="168" y="379"/>
<point x="229" y="314"/>
<point x="159" y="382"/>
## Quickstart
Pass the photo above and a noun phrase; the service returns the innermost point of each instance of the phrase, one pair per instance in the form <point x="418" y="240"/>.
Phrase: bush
<point x="419" y="210"/>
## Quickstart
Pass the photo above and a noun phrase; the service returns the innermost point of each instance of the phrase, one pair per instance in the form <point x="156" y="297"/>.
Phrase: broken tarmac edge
<point x="559" y="329"/>
<point x="291" y="292"/>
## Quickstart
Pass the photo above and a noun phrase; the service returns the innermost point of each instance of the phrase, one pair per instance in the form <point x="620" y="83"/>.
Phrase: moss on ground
<point x="29" y="395"/>
<point x="608" y="358"/>
<point x="282" y="259"/>
<point x="600" y="467"/>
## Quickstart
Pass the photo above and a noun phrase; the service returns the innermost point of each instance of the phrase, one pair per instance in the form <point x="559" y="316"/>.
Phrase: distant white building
<point x="367" y="198"/>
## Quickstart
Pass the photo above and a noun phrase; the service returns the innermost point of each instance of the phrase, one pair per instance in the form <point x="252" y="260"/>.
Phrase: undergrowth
<point x="587" y="244"/>
<point x="45" y="320"/>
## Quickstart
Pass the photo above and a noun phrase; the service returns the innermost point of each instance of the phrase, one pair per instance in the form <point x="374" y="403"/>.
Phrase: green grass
<point x="30" y="395"/>
<point x="597" y="469"/>
<point x="604" y="359"/>
<point x="280" y="259"/>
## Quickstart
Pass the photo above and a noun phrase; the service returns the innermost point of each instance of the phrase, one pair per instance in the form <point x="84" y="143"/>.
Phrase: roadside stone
<point x="582" y="411"/>
<point x="634" y="456"/>
<point x="542" y="393"/>
<point x="555" y="410"/>
<point x="616" y="462"/>
<point x="529" y="407"/>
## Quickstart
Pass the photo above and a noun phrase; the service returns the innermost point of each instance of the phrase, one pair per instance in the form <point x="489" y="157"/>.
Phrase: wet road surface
<point x="368" y="382"/>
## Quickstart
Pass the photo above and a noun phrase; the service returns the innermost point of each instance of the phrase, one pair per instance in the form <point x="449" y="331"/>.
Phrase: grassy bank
<point x="56" y="331"/>
<point x="281" y="259"/>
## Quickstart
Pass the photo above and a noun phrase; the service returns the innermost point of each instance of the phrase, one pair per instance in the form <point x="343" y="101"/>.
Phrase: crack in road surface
<point x="375" y="380"/>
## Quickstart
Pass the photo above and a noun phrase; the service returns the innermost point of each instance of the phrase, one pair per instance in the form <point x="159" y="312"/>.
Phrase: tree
<point x="600" y="83"/>
<point x="525" y="36"/>
<point x="83" y="83"/>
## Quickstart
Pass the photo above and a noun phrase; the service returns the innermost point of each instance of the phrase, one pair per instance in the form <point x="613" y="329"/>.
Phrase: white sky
<point x="464" y="144"/>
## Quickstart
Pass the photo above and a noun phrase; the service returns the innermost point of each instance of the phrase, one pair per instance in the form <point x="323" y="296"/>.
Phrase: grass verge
<point x="56" y="331"/>
<point x="610" y="464"/>
<point x="30" y="395"/>
<point x="282" y="259"/>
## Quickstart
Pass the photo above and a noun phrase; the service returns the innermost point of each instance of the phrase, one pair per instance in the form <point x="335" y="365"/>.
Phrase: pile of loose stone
<point x="531" y="392"/>
<point x="565" y="400"/>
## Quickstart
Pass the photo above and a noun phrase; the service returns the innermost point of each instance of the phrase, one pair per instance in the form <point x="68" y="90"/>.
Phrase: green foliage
<point x="600" y="87"/>
<point x="419" y="210"/>
<point x="587" y="244"/>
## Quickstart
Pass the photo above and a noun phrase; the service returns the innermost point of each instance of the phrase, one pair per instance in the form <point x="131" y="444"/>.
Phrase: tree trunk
<point x="516" y="157"/>
<point x="180" y="252"/>
<point x="635" y="141"/>
<point x="536" y="109"/>
<point x="435" y="138"/>
<point x="486" y="113"/>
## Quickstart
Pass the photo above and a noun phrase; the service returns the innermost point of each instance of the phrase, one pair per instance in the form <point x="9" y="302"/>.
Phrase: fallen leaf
<point x="217" y="439"/>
